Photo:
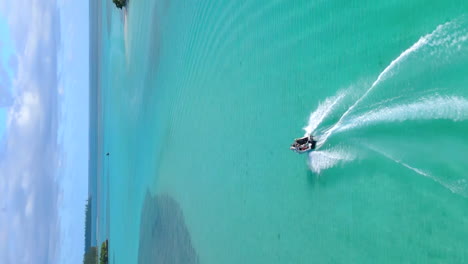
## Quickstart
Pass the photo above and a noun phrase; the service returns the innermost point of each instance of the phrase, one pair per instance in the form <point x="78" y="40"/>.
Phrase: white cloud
<point x="29" y="206"/>
<point x="29" y="153"/>
<point x="5" y="94"/>
<point x="60" y="90"/>
<point x="27" y="109"/>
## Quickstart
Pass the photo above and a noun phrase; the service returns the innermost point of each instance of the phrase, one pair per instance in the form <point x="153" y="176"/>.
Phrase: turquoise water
<point x="197" y="103"/>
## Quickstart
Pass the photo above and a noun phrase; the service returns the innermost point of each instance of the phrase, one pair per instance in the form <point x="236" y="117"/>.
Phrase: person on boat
<point x="303" y="144"/>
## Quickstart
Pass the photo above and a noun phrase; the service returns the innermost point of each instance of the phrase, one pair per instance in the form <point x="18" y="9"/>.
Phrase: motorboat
<point x="303" y="144"/>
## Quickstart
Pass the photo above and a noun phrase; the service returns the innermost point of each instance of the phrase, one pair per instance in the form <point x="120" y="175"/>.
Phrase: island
<point x="91" y="251"/>
<point x="104" y="259"/>
<point x="164" y="235"/>
<point x="120" y="3"/>
<point x="93" y="255"/>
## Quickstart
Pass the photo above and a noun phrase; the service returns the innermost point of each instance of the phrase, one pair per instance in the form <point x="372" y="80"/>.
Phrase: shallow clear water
<point x="199" y="102"/>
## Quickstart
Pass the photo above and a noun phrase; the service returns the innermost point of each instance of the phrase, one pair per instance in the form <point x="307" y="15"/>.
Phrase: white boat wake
<point x="440" y="39"/>
<point x="323" y="110"/>
<point x="324" y="159"/>
<point x="447" y="39"/>
<point x="459" y="186"/>
<point x="453" y="108"/>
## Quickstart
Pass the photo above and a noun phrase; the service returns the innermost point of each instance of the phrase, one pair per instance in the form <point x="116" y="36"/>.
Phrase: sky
<point x="44" y="92"/>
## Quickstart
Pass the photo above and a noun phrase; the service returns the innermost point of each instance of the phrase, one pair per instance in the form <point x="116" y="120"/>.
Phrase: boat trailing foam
<point x="323" y="110"/>
<point x="445" y="38"/>
<point x="431" y="39"/>
<point x="325" y="159"/>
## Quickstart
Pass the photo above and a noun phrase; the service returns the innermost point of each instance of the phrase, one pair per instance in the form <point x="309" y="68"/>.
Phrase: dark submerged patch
<point x="164" y="237"/>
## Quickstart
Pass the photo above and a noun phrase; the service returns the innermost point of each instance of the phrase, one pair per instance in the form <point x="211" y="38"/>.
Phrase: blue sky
<point x="43" y="130"/>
